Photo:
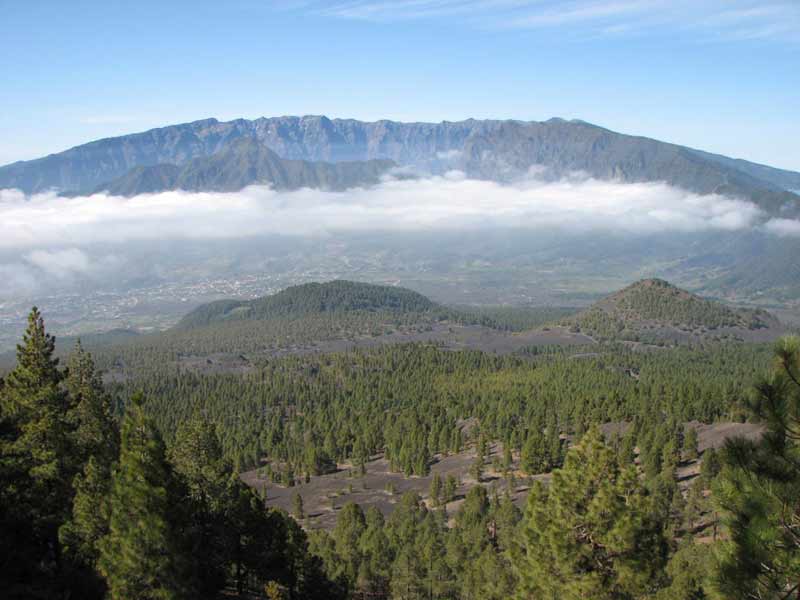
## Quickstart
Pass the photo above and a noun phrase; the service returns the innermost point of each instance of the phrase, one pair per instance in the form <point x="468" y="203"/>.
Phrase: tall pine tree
<point x="759" y="490"/>
<point x="589" y="534"/>
<point x="37" y="461"/>
<point x="97" y="447"/>
<point x="208" y="496"/>
<point x="138" y="556"/>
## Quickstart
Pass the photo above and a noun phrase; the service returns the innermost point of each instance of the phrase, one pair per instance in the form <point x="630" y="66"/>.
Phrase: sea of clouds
<point x="49" y="236"/>
<point x="435" y="203"/>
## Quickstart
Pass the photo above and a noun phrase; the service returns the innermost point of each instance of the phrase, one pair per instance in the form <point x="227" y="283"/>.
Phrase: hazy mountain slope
<point x="769" y="271"/>
<point x="310" y="299"/>
<point x="654" y="308"/>
<point x="88" y="165"/>
<point x="569" y="146"/>
<point x="303" y="138"/>
<point x="244" y="162"/>
<point x="497" y="150"/>
<point x="143" y="180"/>
<point x="787" y="180"/>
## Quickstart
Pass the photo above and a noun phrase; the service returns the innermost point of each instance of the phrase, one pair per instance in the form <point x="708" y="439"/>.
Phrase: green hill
<point x="655" y="308"/>
<point x="311" y="299"/>
<point x="247" y="162"/>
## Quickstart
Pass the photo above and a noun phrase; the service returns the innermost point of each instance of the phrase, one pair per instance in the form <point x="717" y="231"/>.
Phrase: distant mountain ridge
<point x="244" y="162"/>
<point x="337" y="296"/>
<point x="488" y="149"/>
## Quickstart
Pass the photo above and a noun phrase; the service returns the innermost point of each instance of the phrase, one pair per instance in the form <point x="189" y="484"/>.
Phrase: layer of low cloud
<point x="783" y="227"/>
<point x="449" y="202"/>
<point x="49" y="242"/>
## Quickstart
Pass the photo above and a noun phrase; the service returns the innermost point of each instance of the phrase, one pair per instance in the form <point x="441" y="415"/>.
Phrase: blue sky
<point x="721" y="75"/>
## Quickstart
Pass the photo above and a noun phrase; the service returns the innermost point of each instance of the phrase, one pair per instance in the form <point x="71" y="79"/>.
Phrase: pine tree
<point x="435" y="491"/>
<point x="375" y="567"/>
<point x="297" y="507"/>
<point x="555" y="447"/>
<point x="493" y="579"/>
<point x="350" y="526"/>
<point x="91" y="512"/>
<point x="450" y="487"/>
<point x="37" y="456"/>
<point x="689" y="571"/>
<point x="206" y="499"/>
<point x="710" y="466"/>
<point x="507" y="458"/>
<point x="695" y="505"/>
<point x="408" y="575"/>
<point x="759" y="490"/>
<point x="476" y="470"/>
<point x="429" y="546"/>
<point x="535" y="455"/>
<point x="690" y="444"/>
<point x="507" y="517"/>
<point x="589" y="534"/>
<point x="468" y="539"/>
<point x="483" y="447"/>
<point x="137" y="557"/>
<point x="97" y="447"/>
<point x="95" y="428"/>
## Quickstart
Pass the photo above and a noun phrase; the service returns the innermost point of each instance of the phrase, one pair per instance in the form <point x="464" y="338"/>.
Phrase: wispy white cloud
<point x="388" y="10"/>
<point x="584" y="12"/>
<point x="59" y="263"/>
<point x="777" y="20"/>
<point x="38" y="270"/>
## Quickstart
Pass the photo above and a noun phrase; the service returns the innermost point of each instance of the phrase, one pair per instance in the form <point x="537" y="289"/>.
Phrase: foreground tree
<point x="137" y="556"/>
<point x="37" y="464"/>
<point x="85" y="516"/>
<point x="92" y="417"/>
<point x="590" y="533"/>
<point x="689" y="572"/>
<point x="97" y="448"/>
<point x="759" y="491"/>
<point x="207" y="496"/>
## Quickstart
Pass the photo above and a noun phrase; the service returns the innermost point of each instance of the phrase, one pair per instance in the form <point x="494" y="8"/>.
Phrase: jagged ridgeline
<point x="293" y="152"/>
<point x="333" y="297"/>
<point x="655" y="309"/>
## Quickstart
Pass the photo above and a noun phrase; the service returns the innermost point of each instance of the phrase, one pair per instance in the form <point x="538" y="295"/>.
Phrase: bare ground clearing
<point x="324" y="496"/>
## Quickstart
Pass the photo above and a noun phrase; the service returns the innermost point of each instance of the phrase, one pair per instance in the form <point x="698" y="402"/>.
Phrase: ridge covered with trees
<point x="648" y="309"/>
<point x="312" y="299"/>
